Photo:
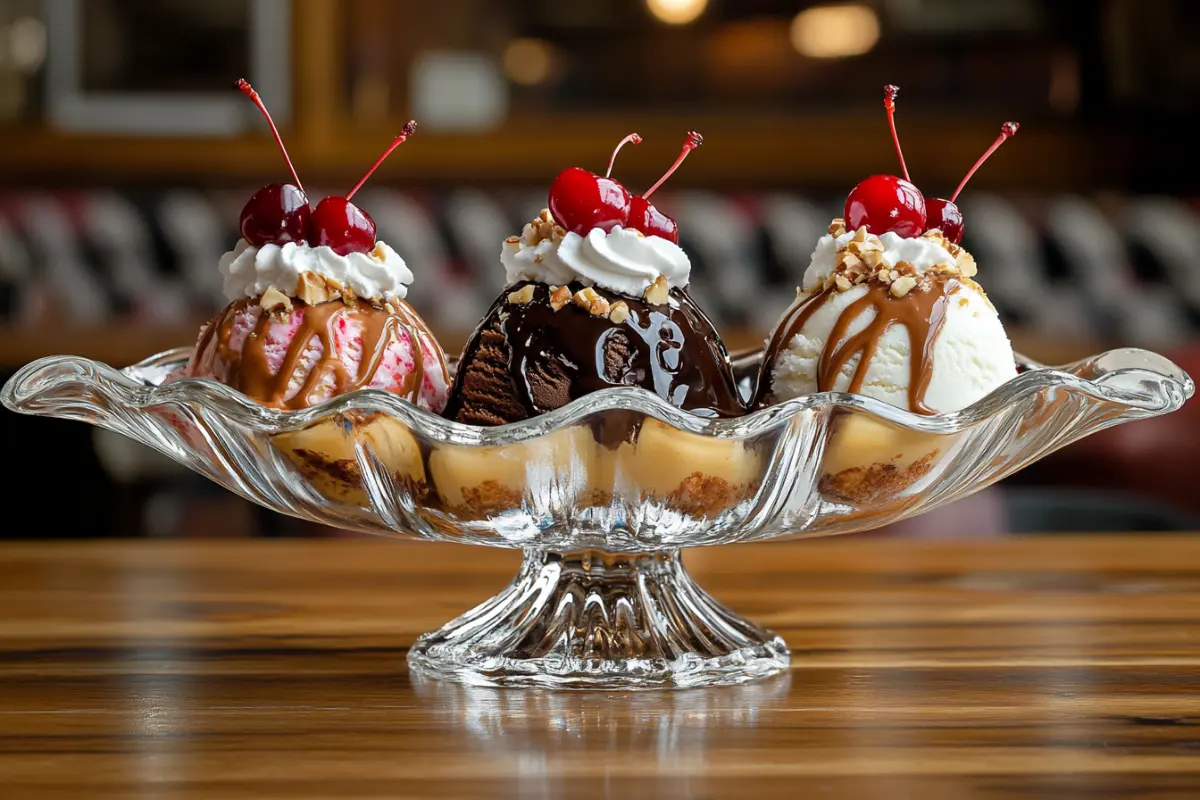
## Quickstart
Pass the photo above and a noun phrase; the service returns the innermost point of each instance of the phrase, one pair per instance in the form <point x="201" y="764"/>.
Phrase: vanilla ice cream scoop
<point x="896" y="318"/>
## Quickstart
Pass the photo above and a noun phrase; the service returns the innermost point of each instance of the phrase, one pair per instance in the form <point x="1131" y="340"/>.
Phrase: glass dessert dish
<point x="602" y="493"/>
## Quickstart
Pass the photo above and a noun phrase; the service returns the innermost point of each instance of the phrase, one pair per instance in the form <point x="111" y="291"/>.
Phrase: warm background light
<point x="528" y="62"/>
<point x="835" y="31"/>
<point x="676" y="12"/>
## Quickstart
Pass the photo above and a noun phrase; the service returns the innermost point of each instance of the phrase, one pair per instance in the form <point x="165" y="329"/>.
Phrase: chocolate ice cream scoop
<point x="596" y="298"/>
<point x="540" y="347"/>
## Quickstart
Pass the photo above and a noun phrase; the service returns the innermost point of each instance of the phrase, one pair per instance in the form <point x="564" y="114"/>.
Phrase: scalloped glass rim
<point x="1131" y="377"/>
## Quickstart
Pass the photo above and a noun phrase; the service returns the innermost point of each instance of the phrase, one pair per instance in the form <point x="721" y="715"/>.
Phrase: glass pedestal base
<point x="596" y="620"/>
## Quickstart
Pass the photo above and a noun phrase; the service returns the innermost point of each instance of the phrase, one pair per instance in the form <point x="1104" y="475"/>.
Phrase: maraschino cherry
<point x="944" y="214"/>
<point x="580" y="200"/>
<point x="279" y="213"/>
<point x="339" y="224"/>
<point x="645" y="217"/>
<point x="885" y="202"/>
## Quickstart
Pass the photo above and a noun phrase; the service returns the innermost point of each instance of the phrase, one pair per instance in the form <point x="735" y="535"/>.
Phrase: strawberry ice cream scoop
<point x="300" y="355"/>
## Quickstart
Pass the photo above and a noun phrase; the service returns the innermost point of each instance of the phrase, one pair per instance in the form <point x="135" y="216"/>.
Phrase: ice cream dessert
<point x="889" y="308"/>
<point x="317" y="306"/>
<point x="317" y="309"/>
<point x="596" y="297"/>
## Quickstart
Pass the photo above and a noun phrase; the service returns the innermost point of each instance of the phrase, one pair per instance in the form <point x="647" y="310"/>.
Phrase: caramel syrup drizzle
<point x="248" y="370"/>
<point x="922" y="312"/>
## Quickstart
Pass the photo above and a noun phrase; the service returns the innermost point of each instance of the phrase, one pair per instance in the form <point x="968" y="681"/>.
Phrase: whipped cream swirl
<point x="923" y="252"/>
<point x="622" y="260"/>
<point x="249" y="271"/>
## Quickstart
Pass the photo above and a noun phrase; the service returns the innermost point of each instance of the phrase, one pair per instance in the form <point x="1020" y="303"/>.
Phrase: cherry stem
<point x="889" y="102"/>
<point x="632" y="138"/>
<point x="409" y="129"/>
<point x="1006" y="130"/>
<point x="694" y="140"/>
<point x="244" y="86"/>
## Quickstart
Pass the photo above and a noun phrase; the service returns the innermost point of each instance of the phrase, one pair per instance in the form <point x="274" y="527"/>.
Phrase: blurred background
<point x="125" y="157"/>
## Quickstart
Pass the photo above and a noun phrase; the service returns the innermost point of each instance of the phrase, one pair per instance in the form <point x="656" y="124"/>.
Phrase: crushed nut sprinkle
<point x="657" y="293"/>
<point x="539" y="229"/>
<point x="522" y="296"/>
<point x="584" y="297"/>
<point x="589" y="299"/>
<point x="860" y="249"/>
<point x="864" y="258"/>
<point x="559" y="297"/>
<point x="274" y="300"/>
<point x="619" y="312"/>
<point x="837" y="227"/>
<point x="903" y="285"/>
<point x="966" y="264"/>
<point x="315" y="289"/>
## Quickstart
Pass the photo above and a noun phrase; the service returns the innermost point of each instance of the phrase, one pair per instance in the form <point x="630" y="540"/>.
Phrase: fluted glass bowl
<point x="602" y="494"/>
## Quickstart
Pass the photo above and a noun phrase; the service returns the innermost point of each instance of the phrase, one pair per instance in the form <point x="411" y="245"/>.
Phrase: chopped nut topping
<point x="585" y="297"/>
<point x="513" y="240"/>
<point x="966" y="264"/>
<point x="275" y="300"/>
<point x="903" y="286"/>
<point x="874" y="259"/>
<point x="314" y="289"/>
<point x="860" y="235"/>
<point x="658" y="292"/>
<point x="842" y="283"/>
<point x="619" y="312"/>
<point x="937" y="236"/>
<point x="593" y="302"/>
<point x="539" y="229"/>
<point x="869" y="245"/>
<point x="837" y="227"/>
<point x="559" y="297"/>
<point x="521" y="296"/>
<point x="850" y="261"/>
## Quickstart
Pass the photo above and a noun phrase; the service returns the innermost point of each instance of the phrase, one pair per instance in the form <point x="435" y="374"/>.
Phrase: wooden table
<point x="1053" y="668"/>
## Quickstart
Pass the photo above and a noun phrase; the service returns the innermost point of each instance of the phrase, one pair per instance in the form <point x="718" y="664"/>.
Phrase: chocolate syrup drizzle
<point x="248" y="371"/>
<point x="672" y="350"/>
<point x="922" y="312"/>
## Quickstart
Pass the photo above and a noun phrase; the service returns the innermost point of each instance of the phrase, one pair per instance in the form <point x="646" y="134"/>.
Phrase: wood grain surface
<point x="1059" y="668"/>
